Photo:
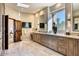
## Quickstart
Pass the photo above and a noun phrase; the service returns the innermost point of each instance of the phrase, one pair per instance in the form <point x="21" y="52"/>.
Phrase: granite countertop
<point x="60" y="35"/>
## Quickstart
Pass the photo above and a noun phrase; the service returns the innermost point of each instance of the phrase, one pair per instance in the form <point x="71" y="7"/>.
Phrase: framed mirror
<point x="75" y="13"/>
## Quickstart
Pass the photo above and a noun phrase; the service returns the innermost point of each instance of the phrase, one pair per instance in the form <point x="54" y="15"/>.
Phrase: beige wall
<point x="76" y="13"/>
<point x="27" y="18"/>
<point x="26" y="31"/>
<point x="41" y="17"/>
<point x="2" y="12"/>
<point x="12" y="13"/>
<point x="69" y="17"/>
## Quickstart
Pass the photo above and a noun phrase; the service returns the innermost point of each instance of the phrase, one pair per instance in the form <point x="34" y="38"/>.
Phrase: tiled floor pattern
<point x="29" y="48"/>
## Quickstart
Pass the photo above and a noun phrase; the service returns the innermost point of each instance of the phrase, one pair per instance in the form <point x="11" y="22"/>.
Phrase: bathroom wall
<point x="2" y="12"/>
<point x="69" y="17"/>
<point x="12" y="12"/>
<point x="41" y="17"/>
<point x="26" y="31"/>
<point x="76" y="13"/>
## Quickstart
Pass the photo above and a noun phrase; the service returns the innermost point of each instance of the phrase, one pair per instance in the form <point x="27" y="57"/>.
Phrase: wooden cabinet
<point x="62" y="50"/>
<point x="33" y="37"/>
<point x="77" y="48"/>
<point x="38" y="38"/>
<point x="64" y="45"/>
<point x="52" y="42"/>
<point x="44" y="40"/>
<point x="71" y="47"/>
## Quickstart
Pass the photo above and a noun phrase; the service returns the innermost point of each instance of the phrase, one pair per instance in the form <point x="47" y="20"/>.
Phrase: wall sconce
<point x="41" y="12"/>
<point x="36" y="15"/>
<point x="69" y="16"/>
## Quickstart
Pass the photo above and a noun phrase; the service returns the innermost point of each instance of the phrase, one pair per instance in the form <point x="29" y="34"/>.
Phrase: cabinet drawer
<point x="62" y="50"/>
<point x="53" y="44"/>
<point x="62" y="43"/>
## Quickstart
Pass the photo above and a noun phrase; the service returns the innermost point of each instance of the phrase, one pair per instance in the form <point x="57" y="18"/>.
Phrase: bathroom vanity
<point x="64" y="44"/>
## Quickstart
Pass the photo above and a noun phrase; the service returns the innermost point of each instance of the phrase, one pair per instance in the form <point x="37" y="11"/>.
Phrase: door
<point x="6" y="31"/>
<point x="10" y="31"/>
<point x="17" y="30"/>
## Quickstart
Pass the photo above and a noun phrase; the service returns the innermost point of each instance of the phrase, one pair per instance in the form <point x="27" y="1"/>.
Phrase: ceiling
<point x="34" y="7"/>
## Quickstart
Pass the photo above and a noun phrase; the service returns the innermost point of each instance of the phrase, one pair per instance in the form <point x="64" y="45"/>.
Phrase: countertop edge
<point x="59" y="35"/>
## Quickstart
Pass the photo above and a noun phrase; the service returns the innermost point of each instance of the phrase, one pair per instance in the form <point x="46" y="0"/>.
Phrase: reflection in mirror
<point x="59" y="19"/>
<point x="75" y="11"/>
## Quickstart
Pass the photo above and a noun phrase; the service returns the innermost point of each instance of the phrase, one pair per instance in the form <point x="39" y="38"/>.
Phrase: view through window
<point x="59" y="19"/>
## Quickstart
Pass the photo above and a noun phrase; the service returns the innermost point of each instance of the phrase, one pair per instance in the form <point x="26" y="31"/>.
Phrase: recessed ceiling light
<point x="23" y="5"/>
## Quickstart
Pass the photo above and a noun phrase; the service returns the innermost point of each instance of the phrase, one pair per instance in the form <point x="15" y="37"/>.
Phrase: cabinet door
<point x="62" y="45"/>
<point x="77" y="48"/>
<point x="39" y="38"/>
<point x="71" y="47"/>
<point x="43" y="39"/>
<point x="53" y="42"/>
<point x="62" y="50"/>
<point x="34" y="37"/>
<point x="46" y="40"/>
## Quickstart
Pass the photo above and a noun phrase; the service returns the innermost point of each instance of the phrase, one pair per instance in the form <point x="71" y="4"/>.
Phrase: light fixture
<point x="58" y="5"/>
<point x="69" y="15"/>
<point x="41" y="12"/>
<point x="23" y="5"/>
<point x="36" y="15"/>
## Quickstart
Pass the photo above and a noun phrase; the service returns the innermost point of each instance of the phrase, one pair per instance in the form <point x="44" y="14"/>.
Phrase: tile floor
<point x="28" y="48"/>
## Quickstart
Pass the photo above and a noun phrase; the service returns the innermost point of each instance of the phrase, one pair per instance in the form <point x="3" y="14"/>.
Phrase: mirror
<point x="75" y="13"/>
<point x="57" y="16"/>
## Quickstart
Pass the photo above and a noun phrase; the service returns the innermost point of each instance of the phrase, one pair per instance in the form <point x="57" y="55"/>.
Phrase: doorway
<point x="14" y="30"/>
<point x="11" y="31"/>
<point x="17" y="30"/>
